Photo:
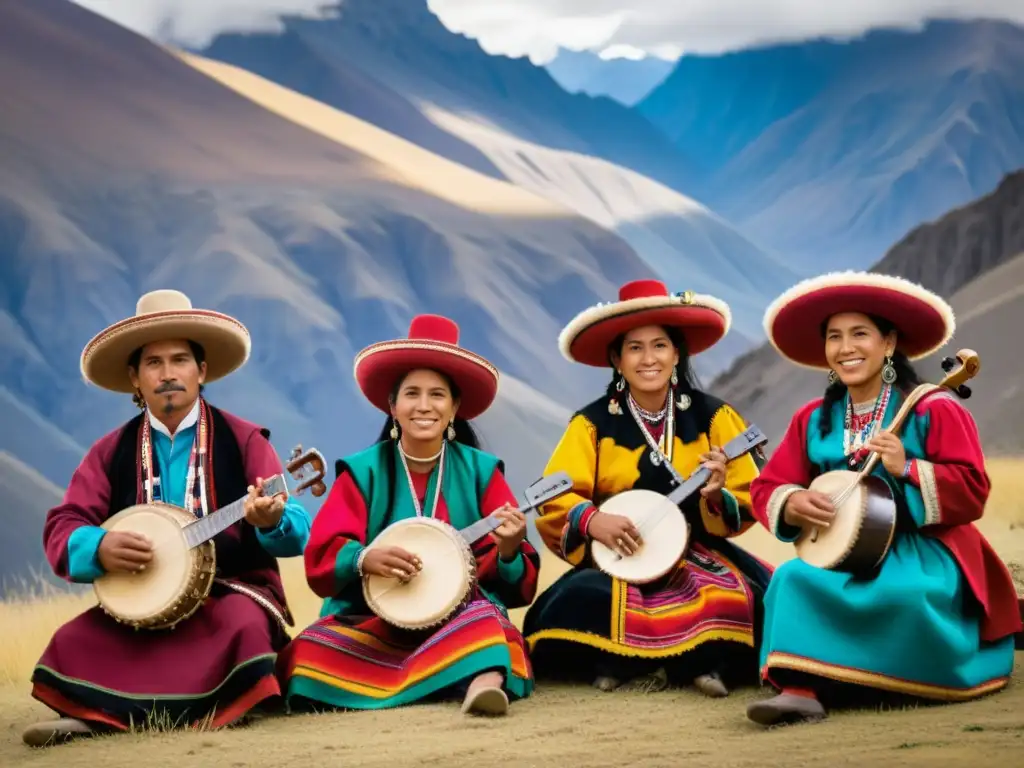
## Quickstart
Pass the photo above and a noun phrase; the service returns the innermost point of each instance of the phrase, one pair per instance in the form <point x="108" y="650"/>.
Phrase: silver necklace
<point x="651" y="416"/>
<point x="668" y="433"/>
<point x="412" y="487"/>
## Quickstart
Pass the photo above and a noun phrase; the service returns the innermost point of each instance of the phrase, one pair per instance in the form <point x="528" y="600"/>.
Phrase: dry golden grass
<point x="560" y="724"/>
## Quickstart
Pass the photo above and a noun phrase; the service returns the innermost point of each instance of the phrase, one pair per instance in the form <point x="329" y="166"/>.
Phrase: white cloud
<point x="667" y="28"/>
<point x="195" y="23"/>
<point x="536" y="28"/>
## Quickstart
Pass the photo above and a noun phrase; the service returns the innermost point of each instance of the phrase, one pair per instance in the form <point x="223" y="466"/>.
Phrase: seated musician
<point x="217" y="665"/>
<point x="425" y="463"/>
<point x="697" y="624"/>
<point x="937" y="618"/>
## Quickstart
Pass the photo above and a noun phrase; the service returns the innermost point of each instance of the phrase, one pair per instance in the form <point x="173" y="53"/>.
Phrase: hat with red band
<point x="702" y="320"/>
<point x="924" y="321"/>
<point x="433" y="342"/>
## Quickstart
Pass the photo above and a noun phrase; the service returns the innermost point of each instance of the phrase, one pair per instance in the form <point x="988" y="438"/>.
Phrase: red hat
<point x="433" y="343"/>
<point x="924" y="321"/>
<point x="702" y="320"/>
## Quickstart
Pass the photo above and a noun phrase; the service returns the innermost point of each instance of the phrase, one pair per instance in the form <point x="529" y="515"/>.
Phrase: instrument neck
<point x="476" y="531"/>
<point x="897" y="423"/>
<point x="205" y="528"/>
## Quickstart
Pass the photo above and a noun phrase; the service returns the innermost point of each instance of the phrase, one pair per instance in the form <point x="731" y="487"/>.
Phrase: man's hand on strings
<point x="264" y="511"/>
<point x="124" y="552"/>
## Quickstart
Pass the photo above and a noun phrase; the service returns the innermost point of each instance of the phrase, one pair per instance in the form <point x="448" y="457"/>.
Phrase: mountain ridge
<point x="974" y="257"/>
<point x="830" y="152"/>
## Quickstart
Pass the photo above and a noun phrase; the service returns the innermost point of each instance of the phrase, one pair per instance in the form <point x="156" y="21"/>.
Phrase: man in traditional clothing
<point x="218" y="664"/>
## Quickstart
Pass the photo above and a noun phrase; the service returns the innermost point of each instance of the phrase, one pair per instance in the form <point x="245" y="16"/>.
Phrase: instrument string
<point x="427" y="562"/>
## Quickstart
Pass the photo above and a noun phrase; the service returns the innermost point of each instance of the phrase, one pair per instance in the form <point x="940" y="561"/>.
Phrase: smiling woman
<point x="698" y="623"/>
<point x="426" y="463"/>
<point x="940" y="611"/>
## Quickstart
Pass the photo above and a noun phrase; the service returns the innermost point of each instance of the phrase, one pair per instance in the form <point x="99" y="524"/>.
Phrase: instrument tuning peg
<point x="964" y="391"/>
<point x="948" y="363"/>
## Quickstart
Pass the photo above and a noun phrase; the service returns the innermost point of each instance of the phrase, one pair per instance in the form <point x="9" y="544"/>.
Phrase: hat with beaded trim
<point x="433" y="342"/>
<point x="924" y="321"/>
<point x="164" y="315"/>
<point x="702" y="320"/>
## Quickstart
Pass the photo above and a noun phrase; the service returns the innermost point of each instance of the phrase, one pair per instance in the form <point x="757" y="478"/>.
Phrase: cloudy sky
<point x="536" y="28"/>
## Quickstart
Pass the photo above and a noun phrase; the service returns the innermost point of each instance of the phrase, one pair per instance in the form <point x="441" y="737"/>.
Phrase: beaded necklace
<point x="861" y="423"/>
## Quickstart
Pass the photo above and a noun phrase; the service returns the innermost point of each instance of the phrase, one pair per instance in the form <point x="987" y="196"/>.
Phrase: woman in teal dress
<point x="936" y="620"/>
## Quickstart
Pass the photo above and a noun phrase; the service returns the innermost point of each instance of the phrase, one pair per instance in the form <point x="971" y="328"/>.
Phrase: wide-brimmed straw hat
<point x="161" y="316"/>
<point x="924" y="321"/>
<point x="702" y="320"/>
<point x="433" y="342"/>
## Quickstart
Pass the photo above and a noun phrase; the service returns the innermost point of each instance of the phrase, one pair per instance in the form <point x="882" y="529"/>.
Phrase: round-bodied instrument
<point x="861" y="533"/>
<point x="176" y="581"/>
<point x="446" y="580"/>
<point x="664" y="533"/>
<point x="180" y="575"/>
<point x="443" y="585"/>
<point x="664" y="530"/>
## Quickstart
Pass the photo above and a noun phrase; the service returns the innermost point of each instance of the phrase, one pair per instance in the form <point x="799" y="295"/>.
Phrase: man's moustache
<point x="170" y="386"/>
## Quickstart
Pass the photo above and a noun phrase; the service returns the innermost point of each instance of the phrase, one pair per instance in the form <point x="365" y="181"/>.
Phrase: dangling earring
<point x="888" y="371"/>
<point x="833" y="377"/>
<point x="675" y="376"/>
<point x="394" y="430"/>
<point x="451" y="431"/>
<point x="621" y="383"/>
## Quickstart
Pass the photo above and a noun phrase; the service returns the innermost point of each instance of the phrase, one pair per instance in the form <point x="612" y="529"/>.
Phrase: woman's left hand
<point x="890" y="450"/>
<point x="511" y="532"/>
<point x="714" y="461"/>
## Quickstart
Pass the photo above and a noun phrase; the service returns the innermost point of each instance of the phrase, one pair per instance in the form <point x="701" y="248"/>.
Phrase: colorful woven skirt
<point x="211" y="669"/>
<point x="361" y="662"/>
<point x="702" y="617"/>
<point x="913" y="629"/>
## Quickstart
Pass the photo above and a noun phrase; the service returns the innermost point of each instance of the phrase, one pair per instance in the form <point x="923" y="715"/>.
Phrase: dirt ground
<point x="562" y="726"/>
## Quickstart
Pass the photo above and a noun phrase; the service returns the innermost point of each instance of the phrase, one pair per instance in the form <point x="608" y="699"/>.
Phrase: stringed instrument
<point x="661" y="523"/>
<point x="181" y="574"/>
<point x="445" y="582"/>
<point x="864" y="525"/>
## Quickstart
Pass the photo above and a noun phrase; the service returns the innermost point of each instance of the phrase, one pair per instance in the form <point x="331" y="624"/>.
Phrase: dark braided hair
<point x="906" y="376"/>
<point x="688" y="382"/>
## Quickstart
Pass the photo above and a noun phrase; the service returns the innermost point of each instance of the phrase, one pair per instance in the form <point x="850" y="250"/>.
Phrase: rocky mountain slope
<point x="830" y="152"/>
<point x="396" y="66"/>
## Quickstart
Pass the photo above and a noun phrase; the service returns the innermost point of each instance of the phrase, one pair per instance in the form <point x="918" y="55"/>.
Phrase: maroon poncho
<point x="219" y="663"/>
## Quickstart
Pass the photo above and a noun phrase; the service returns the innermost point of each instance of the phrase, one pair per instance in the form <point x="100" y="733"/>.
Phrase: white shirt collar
<point x="190" y="419"/>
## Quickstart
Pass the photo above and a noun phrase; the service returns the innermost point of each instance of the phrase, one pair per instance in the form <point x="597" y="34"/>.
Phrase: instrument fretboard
<point x="547" y="488"/>
<point x="739" y="445"/>
<point x="205" y="528"/>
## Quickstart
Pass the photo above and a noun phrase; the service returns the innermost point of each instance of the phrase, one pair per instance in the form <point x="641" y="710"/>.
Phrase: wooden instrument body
<point x="178" y="579"/>
<point x="663" y="529"/>
<point x="439" y="590"/>
<point x="449" y="572"/>
<point x="862" y="530"/>
<point x="173" y="585"/>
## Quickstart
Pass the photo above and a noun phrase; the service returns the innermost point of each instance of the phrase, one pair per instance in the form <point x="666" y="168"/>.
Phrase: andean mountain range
<point x="325" y="224"/>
